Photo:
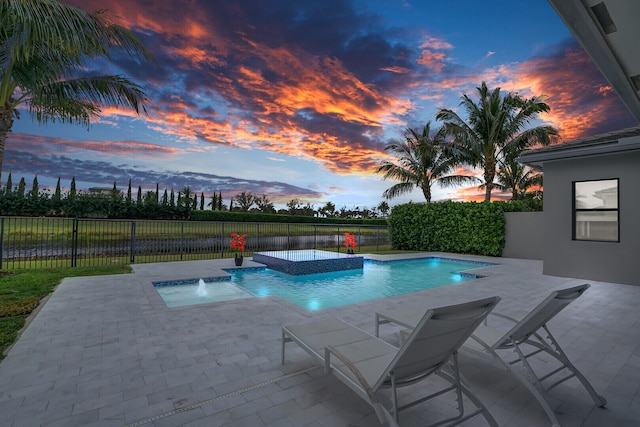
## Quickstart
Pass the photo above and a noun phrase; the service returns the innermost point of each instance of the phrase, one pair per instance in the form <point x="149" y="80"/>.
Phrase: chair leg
<point x="536" y="392"/>
<point x="559" y="354"/>
<point x="457" y="381"/>
<point x="394" y="397"/>
<point x="532" y="384"/>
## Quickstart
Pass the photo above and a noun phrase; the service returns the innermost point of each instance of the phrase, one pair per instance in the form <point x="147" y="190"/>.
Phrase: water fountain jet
<point x="202" y="289"/>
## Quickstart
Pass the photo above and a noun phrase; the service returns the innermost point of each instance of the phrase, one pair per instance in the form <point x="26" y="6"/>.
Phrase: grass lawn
<point x="22" y="290"/>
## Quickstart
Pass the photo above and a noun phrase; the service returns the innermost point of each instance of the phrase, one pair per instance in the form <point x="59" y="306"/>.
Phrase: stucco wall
<point x="524" y="235"/>
<point x="602" y="261"/>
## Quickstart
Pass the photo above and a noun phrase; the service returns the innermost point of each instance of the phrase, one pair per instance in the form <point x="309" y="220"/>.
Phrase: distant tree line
<point x="114" y="203"/>
<point x="249" y="202"/>
<point x="102" y="202"/>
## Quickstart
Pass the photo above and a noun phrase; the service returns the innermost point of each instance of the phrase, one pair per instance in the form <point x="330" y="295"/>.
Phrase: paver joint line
<point x="232" y="393"/>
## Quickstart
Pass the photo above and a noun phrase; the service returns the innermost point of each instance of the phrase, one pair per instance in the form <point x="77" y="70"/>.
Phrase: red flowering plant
<point x="350" y="242"/>
<point x="238" y="242"/>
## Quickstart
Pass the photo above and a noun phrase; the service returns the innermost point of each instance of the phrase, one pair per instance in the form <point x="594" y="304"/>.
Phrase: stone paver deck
<point x="107" y="351"/>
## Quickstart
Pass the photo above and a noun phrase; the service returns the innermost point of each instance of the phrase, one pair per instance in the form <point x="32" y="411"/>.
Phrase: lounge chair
<point x="367" y="364"/>
<point x="526" y="335"/>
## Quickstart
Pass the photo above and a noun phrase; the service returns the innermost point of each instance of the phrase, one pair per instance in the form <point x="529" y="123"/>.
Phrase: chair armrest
<point x="328" y="351"/>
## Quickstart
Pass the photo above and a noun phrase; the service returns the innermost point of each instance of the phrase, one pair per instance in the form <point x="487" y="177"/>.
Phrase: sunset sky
<point x="297" y="99"/>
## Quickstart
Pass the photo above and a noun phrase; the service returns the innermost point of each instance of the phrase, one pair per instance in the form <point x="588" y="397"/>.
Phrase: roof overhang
<point x="609" y="32"/>
<point x="624" y="140"/>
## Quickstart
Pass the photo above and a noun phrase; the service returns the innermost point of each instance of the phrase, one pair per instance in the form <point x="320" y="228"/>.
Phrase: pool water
<point x="189" y="292"/>
<point x="321" y="290"/>
<point x="375" y="280"/>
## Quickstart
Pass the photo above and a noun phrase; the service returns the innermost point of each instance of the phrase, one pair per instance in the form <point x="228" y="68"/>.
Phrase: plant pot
<point x="238" y="259"/>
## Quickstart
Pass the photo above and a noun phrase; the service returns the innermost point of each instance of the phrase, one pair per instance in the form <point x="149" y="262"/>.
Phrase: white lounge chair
<point x="529" y="334"/>
<point x="367" y="364"/>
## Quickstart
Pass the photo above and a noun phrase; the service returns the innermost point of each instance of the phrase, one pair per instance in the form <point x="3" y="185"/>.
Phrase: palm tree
<point x="43" y="47"/>
<point x="517" y="178"/>
<point x="421" y="162"/>
<point x="495" y="128"/>
<point x="383" y="207"/>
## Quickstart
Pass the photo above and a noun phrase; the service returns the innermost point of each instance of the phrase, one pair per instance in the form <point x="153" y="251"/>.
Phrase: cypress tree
<point x="21" y="188"/>
<point x="220" y="201"/>
<point x="165" y="198"/>
<point x="58" y="193"/>
<point x="72" y="190"/>
<point x="129" y="193"/>
<point x="35" y="189"/>
<point x="214" y="202"/>
<point x="9" y="185"/>
<point x="57" y="197"/>
<point x="172" y="201"/>
<point x="139" y="199"/>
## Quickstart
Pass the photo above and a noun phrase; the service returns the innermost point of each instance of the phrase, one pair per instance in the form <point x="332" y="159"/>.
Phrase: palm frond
<point x="79" y="100"/>
<point x="64" y="31"/>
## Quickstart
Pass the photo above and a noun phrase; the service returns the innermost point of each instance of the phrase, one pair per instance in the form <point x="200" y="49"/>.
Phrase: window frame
<point x="576" y="210"/>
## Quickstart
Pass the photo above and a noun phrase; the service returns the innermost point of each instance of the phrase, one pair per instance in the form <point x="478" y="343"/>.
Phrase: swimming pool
<point x="325" y="290"/>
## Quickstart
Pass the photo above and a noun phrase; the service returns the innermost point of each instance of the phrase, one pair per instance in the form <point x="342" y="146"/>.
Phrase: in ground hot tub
<point x="308" y="261"/>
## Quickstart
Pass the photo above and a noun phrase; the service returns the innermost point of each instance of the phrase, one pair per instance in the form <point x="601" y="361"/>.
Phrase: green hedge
<point x="263" y="217"/>
<point x="460" y="227"/>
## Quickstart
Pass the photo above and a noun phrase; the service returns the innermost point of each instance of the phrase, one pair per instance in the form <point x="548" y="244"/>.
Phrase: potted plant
<point x="238" y="242"/>
<point x="350" y="242"/>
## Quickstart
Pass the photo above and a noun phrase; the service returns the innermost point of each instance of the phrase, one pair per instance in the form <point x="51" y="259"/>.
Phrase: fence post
<point x="74" y="242"/>
<point x="288" y="236"/>
<point x="181" y="239"/>
<point x="315" y="236"/>
<point x="132" y="257"/>
<point x="257" y="236"/>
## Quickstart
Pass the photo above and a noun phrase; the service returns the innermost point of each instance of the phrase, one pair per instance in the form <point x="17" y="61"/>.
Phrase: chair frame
<point x="447" y="368"/>
<point x="526" y="333"/>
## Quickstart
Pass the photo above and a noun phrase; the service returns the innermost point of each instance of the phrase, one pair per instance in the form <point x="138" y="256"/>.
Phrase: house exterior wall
<point x="617" y="262"/>
<point x="524" y="235"/>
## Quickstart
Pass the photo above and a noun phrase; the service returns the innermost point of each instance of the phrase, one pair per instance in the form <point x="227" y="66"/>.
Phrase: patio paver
<point x="106" y="350"/>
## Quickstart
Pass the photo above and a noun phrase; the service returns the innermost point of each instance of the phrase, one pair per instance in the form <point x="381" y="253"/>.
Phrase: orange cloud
<point x="581" y="101"/>
<point x="432" y="55"/>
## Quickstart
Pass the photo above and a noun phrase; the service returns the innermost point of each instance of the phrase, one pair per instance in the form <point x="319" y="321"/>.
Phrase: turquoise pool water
<point x="375" y="280"/>
<point x="322" y="290"/>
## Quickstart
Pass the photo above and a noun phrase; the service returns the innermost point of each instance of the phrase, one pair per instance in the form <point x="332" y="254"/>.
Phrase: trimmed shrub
<point x="463" y="227"/>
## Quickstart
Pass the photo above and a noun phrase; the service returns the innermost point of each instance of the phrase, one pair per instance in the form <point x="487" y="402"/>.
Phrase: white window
<point x="595" y="210"/>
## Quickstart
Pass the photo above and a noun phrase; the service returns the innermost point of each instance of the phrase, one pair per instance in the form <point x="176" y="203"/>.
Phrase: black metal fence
<point x="69" y="242"/>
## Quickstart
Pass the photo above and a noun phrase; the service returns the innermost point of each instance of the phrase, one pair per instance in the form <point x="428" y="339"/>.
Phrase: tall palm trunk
<point x="426" y="190"/>
<point x="6" y="122"/>
<point x="489" y="175"/>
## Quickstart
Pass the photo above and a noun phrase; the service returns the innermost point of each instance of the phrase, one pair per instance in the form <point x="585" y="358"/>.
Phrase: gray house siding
<point x="603" y="261"/>
<point x="524" y="235"/>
